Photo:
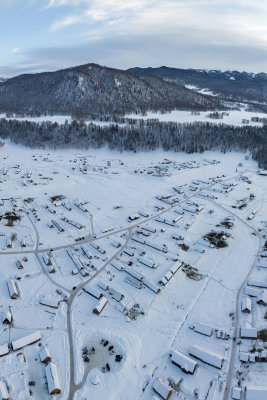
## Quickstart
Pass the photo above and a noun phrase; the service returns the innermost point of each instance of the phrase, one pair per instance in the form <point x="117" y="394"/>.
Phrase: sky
<point x="46" y="35"/>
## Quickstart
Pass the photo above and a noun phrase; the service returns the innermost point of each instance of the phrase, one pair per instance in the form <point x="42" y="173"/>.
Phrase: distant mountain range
<point x="93" y="89"/>
<point x="233" y="85"/>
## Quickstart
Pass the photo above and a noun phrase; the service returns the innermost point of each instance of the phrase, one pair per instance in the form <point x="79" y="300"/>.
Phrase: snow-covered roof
<point x="3" y="391"/>
<point x="146" y="262"/>
<point x="204" y="329"/>
<point x="26" y="340"/>
<point x="93" y="292"/>
<point x="162" y="390"/>
<point x="45" y="354"/>
<point x="183" y="361"/>
<point x="52" y="378"/>
<point x="4" y="349"/>
<point x="236" y="393"/>
<point x="12" y="288"/>
<point x="246" y="304"/>
<point x="50" y="302"/>
<point x="206" y="356"/>
<point x="256" y="392"/>
<point x="248" y="331"/>
<point x="251" y="291"/>
<point x="262" y="298"/>
<point x="100" y="305"/>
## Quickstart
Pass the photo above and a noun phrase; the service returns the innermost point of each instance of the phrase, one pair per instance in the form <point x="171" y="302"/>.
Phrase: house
<point x="4" y="349"/>
<point x="134" y="273"/>
<point x="246" y="305"/>
<point x="146" y="262"/>
<point x="256" y="392"/>
<point x="116" y="295"/>
<point x="203" y="329"/>
<point x="93" y="292"/>
<point x="45" y="355"/>
<point x="149" y="229"/>
<point x="49" y="302"/>
<point x="52" y="377"/>
<point x="19" y="264"/>
<point x="26" y="340"/>
<point x="103" y="285"/>
<point x="247" y="357"/>
<point x="258" y="284"/>
<point x="248" y="332"/>
<point x="206" y="356"/>
<point x="100" y="305"/>
<point x="98" y="248"/>
<point x="133" y="217"/>
<point x="251" y="291"/>
<point x="117" y="265"/>
<point x="160" y="247"/>
<point x="3" y="391"/>
<point x="57" y="225"/>
<point x="7" y="319"/>
<point x="151" y="285"/>
<point x="262" y="298"/>
<point x="12" y="289"/>
<point x="186" y="363"/>
<point x="161" y="389"/>
<point x="236" y="393"/>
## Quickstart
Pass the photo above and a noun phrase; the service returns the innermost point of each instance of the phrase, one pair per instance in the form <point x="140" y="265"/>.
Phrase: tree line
<point x="140" y="135"/>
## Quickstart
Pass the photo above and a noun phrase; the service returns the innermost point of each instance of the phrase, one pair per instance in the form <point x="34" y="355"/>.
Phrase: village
<point x="147" y="269"/>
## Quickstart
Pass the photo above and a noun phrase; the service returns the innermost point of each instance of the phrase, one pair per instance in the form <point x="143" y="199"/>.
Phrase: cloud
<point x="226" y="34"/>
<point x="15" y="50"/>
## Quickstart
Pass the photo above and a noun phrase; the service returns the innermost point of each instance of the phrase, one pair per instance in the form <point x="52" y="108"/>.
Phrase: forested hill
<point x="235" y="85"/>
<point x="93" y="89"/>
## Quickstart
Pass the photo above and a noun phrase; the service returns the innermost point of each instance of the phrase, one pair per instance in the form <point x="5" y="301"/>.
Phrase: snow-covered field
<point x="235" y="117"/>
<point x="111" y="297"/>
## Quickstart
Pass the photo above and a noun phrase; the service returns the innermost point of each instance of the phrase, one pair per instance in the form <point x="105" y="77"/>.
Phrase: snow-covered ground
<point x="235" y="117"/>
<point x="65" y="220"/>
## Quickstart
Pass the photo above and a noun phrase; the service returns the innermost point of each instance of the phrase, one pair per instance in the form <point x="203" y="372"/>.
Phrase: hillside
<point x="235" y="85"/>
<point x="93" y="89"/>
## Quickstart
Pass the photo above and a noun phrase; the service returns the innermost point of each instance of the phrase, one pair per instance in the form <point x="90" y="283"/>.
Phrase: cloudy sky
<point x="38" y="35"/>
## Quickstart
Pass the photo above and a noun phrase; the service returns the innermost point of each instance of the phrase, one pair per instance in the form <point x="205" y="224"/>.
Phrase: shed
<point x="246" y="305"/>
<point x="163" y="390"/>
<point x="52" y="377"/>
<point x="186" y="363"/>
<point x="256" y="392"/>
<point x="3" y="391"/>
<point x="45" y="355"/>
